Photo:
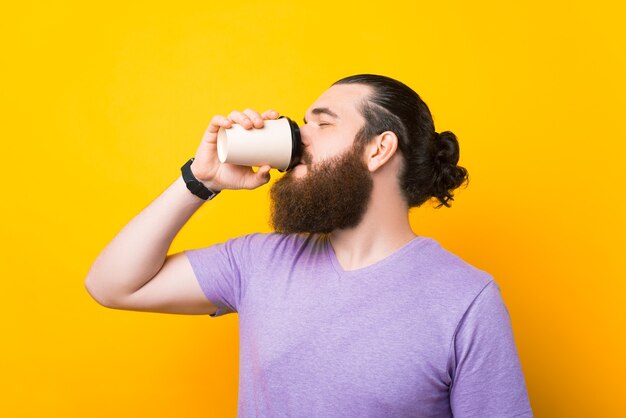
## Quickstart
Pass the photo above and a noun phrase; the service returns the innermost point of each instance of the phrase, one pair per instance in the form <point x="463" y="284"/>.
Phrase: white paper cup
<point x="277" y="144"/>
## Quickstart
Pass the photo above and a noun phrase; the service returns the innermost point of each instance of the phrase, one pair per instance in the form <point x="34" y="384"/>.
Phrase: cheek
<point x="329" y="143"/>
<point x="332" y="151"/>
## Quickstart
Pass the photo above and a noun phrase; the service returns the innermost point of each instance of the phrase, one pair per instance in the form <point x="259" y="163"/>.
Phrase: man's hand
<point x="215" y="175"/>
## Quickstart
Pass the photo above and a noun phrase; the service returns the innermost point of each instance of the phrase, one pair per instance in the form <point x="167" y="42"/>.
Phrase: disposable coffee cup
<point x="277" y="144"/>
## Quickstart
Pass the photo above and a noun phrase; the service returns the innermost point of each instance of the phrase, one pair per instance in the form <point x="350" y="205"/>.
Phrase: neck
<point x="384" y="229"/>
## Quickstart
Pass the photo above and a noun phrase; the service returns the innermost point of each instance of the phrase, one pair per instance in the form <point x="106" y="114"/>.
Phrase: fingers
<point x="250" y="118"/>
<point x="216" y="123"/>
<point x="264" y="171"/>
<point x="259" y="178"/>
<point x="270" y="114"/>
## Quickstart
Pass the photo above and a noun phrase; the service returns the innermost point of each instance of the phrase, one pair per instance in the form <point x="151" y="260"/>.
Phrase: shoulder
<point x="452" y="266"/>
<point x="264" y="241"/>
<point x="448" y="274"/>
<point x="266" y="245"/>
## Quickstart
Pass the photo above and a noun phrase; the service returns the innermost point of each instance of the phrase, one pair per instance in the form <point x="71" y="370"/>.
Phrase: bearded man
<point x="343" y="310"/>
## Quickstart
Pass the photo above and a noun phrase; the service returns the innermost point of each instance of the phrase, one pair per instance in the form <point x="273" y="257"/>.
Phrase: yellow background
<point x="102" y="104"/>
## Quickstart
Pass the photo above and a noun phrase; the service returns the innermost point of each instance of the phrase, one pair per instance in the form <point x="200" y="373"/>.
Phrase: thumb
<point x="263" y="174"/>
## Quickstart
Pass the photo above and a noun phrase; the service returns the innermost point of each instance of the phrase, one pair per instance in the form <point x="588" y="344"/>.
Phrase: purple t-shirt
<point x="420" y="333"/>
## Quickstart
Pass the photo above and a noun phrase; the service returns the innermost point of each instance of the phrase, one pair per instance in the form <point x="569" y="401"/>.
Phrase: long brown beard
<point x="334" y="194"/>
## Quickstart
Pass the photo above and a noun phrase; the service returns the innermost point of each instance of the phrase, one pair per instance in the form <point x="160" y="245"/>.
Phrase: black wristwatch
<point x="194" y="185"/>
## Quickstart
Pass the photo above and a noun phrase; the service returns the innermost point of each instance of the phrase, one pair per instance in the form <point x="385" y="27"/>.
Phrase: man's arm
<point x="484" y="363"/>
<point x="134" y="272"/>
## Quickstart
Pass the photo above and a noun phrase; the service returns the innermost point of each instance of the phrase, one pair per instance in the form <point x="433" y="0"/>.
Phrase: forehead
<point x="341" y="99"/>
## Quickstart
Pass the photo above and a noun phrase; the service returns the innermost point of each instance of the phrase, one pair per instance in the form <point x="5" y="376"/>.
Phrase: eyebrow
<point x="320" y="110"/>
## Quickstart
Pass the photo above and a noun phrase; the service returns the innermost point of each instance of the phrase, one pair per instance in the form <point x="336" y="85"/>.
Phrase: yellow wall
<point x="101" y="105"/>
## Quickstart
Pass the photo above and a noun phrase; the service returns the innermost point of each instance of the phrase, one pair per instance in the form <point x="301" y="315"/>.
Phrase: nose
<point x="305" y="156"/>
<point x="304" y="135"/>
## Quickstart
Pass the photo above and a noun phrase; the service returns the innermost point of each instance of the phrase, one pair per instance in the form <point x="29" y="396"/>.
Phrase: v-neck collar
<point x="332" y="257"/>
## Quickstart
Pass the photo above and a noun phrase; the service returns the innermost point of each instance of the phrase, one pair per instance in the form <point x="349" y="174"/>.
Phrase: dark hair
<point x="430" y="159"/>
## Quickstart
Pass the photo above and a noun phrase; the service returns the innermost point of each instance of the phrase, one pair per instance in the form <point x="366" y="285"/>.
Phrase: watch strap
<point x="194" y="185"/>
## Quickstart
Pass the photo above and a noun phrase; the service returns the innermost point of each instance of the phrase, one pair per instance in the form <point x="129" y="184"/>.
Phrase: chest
<point x="375" y="342"/>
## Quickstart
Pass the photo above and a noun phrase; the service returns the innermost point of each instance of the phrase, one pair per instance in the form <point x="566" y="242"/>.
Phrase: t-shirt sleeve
<point x="219" y="271"/>
<point x="487" y="378"/>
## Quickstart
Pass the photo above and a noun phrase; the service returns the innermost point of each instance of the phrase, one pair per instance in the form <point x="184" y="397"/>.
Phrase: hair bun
<point x="447" y="148"/>
<point x="448" y="175"/>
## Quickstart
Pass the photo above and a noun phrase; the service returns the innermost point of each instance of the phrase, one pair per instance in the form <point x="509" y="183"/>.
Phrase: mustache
<point x="306" y="159"/>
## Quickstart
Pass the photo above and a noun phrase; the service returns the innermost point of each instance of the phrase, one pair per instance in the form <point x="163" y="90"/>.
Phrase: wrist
<point x="194" y="185"/>
<point x="208" y="184"/>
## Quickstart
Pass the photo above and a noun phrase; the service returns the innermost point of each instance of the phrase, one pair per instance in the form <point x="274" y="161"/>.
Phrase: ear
<point x="380" y="150"/>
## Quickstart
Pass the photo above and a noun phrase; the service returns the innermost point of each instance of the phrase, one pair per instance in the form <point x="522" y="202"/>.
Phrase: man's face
<point x="332" y="187"/>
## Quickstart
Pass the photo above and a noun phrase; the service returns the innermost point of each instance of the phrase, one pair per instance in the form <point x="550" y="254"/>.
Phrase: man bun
<point x="448" y="175"/>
